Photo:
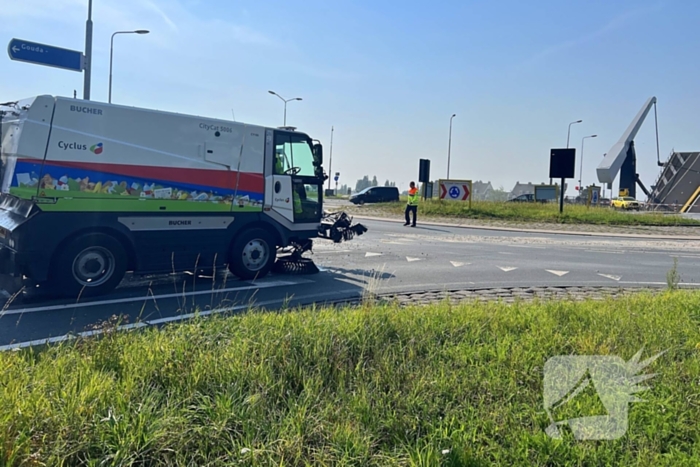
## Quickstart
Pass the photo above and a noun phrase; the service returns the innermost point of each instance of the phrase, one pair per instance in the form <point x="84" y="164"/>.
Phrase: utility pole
<point x="449" y="146"/>
<point x="330" y="162"/>
<point x="88" y="54"/>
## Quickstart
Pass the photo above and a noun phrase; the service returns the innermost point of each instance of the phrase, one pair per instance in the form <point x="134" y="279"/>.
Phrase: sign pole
<point x="88" y="54"/>
<point x="561" y="197"/>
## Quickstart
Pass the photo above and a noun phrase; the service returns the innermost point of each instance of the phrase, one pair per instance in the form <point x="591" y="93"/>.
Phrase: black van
<point x="376" y="194"/>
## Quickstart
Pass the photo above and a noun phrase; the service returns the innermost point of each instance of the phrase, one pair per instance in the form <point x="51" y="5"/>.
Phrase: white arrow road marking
<point x="507" y="269"/>
<point x="557" y="273"/>
<point x="608" y="276"/>
<point x="410" y="260"/>
<point x="457" y="264"/>
<point x="369" y="255"/>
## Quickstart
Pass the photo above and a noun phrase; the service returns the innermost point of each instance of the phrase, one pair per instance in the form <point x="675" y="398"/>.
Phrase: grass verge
<point x="440" y="385"/>
<point x="535" y="212"/>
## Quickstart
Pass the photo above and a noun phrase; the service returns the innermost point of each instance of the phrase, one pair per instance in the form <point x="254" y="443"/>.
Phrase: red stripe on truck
<point x="251" y="182"/>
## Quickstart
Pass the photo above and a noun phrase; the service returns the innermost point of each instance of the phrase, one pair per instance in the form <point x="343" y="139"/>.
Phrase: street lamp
<point x="449" y="147"/>
<point x="580" y="175"/>
<point x="285" y="104"/>
<point x="111" y="53"/>
<point x="568" y="134"/>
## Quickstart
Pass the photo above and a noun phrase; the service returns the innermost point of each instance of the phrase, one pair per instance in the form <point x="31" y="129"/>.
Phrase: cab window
<point x="293" y="151"/>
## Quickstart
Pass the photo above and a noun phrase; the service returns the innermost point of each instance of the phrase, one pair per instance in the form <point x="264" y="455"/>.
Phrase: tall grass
<point x="440" y="385"/>
<point x="535" y="212"/>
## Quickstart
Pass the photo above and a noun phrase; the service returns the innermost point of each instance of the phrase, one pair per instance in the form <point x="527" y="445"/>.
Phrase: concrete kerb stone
<point x="513" y="295"/>
<point x="539" y="231"/>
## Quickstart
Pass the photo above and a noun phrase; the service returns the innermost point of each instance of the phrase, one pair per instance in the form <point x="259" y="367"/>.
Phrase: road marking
<point x="689" y="284"/>
<point x="505" y="253"/>
<point x="608" y="276"/>
<point x="616" y="252"/>
<point x="323" y="252"/>
<point x="557" y="273"/>
<point x="507" y="268"/>
<point x="370" y="255"/>
<point x="410" y="260"/>
<point x="528" y="246"/>
<point x="70" y="306"/>
<point x="690" y="257"/>
<point x="457" y="264"/>
<point x="141" y="324"/>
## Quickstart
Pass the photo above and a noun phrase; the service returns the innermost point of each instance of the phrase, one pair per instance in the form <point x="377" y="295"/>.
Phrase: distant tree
<point x="363" y="183"/>
<point x="499" y="194"/>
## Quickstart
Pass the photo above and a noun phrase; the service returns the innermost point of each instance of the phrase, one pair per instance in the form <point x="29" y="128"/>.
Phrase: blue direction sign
<point x="48" y="55"/>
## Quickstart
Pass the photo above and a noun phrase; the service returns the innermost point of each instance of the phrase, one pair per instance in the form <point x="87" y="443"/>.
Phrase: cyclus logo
<point x="96" y="148"/>
<point x="614" y="381"/>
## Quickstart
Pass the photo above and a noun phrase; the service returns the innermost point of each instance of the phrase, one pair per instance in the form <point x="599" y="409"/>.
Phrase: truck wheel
<point x="90" y="265"/>
<point x="253" y="254"/>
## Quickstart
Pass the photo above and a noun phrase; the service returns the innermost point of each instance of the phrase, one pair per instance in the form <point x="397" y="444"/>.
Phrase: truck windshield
<point x="295" y="150"/>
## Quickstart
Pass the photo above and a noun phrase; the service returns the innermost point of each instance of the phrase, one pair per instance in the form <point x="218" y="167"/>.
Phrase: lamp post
<point x="87" y="72"/>
<point x="330" y="163"/>
<point x="568" y="135"/>
<point x="285" y="104"/>
<point x="580" y="175"/>
<point x="111" y="54"/>
<point x="449" y="147"/>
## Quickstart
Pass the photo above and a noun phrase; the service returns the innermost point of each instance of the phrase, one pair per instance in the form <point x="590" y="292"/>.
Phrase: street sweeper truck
<point x="91" y="191"/>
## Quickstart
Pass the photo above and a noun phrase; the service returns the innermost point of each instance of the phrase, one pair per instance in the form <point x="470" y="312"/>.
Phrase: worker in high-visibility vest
<point x="279" y="163"/>
<point x="298" y="209"/>
<point x="412" y="205"/>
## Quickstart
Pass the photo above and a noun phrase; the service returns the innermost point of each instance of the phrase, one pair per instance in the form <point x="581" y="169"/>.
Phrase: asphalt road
<point x="388" y="258"/>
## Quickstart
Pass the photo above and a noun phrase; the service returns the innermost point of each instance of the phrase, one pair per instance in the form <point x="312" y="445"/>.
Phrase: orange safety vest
<point x="413" y="197"/>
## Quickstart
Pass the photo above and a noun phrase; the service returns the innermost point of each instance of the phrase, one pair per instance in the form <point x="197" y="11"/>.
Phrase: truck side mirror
<point x="318" y="154"/>
<point x="318" y="161"/>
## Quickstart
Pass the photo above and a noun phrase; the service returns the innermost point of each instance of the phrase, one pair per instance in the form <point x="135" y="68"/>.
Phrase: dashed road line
<point x="116" y="301"/>
<point x="557" y="273"/>
<point x="507" y="268"/>
<point x="371" y="255"/>
<point x="411" y="260"/>
<point x="609" y="276"/>
<point x="153" y="322"/>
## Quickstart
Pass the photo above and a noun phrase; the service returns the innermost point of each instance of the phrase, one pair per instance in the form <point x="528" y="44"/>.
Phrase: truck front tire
<point x="253" y="254"/>
<point x="90" y="265"/>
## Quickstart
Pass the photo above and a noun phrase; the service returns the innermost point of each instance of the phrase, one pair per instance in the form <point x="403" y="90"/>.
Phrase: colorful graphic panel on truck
<point x="83" y="186"/>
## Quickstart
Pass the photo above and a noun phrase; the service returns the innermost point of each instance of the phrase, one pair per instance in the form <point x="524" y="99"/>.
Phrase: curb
<point x="540" y="231"/>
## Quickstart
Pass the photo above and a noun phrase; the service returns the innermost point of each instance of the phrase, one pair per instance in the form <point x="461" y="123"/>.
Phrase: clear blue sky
<point x="388" y="75"/>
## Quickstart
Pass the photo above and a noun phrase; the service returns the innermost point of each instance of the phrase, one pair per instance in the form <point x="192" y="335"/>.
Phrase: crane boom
<point x="612" y="163"/>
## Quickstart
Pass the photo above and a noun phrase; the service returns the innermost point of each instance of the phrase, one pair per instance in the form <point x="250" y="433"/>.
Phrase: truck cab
<point x="295" y="188"/>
